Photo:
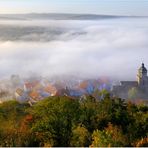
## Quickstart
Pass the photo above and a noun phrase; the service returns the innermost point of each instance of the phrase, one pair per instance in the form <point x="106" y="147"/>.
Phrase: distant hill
<point x="58" y="16"/>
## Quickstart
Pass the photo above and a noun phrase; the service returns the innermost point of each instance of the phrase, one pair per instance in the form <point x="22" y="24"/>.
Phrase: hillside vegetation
<point x="65" y="121"/>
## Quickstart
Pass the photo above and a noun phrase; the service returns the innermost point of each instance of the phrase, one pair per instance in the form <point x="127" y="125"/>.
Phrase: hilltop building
<point x="135" y="89"/>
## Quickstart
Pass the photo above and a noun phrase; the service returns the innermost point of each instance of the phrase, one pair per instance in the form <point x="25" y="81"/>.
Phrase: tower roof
<point x="142" y="69"/>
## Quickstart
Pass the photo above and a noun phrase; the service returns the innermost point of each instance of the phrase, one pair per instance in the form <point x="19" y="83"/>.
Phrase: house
<point x="35" y="96"/>
<point x="76" y="92"/>
<point x="28" y="86"/>
<point x="86" y="86"/>
<point x="19" y="92"/>
<point x="51" y="90"/>
<point x="63" y="92"/>
<point x="43" y="93"/>
<point x="21" y="96"/>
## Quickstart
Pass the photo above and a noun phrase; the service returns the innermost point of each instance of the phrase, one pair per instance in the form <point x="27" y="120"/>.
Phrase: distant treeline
<point x="78" y="122"/>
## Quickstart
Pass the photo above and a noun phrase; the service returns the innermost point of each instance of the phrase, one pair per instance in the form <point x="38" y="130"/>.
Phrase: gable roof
<point x="34" y="95"/>
<point x="19" y="91"/>
<point x="30" y="85"/>
<point x="50" y="89"/>
<point x="83" y="85"/>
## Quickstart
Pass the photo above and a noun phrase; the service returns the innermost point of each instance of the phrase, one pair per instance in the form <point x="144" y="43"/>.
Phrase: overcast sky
<point x="117" y="7"/>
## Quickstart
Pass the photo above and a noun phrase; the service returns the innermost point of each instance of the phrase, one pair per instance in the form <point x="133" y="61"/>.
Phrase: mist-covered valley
<point x="84" y="48"/>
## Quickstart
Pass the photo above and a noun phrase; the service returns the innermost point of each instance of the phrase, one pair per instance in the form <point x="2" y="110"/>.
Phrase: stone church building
<point x="139" y="88"/>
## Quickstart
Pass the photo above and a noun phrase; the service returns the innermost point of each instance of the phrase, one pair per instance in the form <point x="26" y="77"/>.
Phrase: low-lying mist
<point x="89" y="49"/>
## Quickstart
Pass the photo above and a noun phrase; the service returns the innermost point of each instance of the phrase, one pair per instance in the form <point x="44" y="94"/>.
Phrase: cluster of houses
<point x="32" y="90"/>
<point x="36" y="90"/>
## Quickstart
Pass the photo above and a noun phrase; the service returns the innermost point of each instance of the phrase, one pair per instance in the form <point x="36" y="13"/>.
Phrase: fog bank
<point x="114" y="47"/>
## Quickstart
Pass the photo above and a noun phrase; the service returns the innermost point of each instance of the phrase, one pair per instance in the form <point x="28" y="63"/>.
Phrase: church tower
<point x="142" y="77"/>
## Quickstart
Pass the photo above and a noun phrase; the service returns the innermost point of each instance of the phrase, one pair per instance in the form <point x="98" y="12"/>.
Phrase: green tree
<point x="89" y="108"/>
<point x="54" y="119"/>
<point x="67" y="121"/>
<point x="81" y="137"/>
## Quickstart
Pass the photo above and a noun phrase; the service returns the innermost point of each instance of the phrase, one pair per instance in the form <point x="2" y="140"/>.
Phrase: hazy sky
<point x="117" y="7"/>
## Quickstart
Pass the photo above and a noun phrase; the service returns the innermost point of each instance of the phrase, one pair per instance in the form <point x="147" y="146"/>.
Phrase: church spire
<point x="142" y="65"/>
<point x="142" y="75"/>
<point x="143" y="70"/>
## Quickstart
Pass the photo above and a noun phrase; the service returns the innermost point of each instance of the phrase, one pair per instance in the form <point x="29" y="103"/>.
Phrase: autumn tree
<point x="80" y="137"/>
<point x="111" y="136"/>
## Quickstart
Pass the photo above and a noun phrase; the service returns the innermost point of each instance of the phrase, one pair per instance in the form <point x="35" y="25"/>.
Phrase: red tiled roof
<point x="83" y="85"/>
<point x="50" y="89"/>
<point x="34" y="95"/>
<point x="30" y="85"/>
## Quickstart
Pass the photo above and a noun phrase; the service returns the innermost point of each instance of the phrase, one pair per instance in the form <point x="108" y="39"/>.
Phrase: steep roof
<point x="83" y="85"/>
<point x="34" y="95"/>
<point x="50" y="89"/>
<point x="19" y="91"/>
<point x="30" y="85"/>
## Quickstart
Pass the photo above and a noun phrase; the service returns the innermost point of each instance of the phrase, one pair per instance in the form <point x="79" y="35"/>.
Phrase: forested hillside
<point x="65" y="121"/>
